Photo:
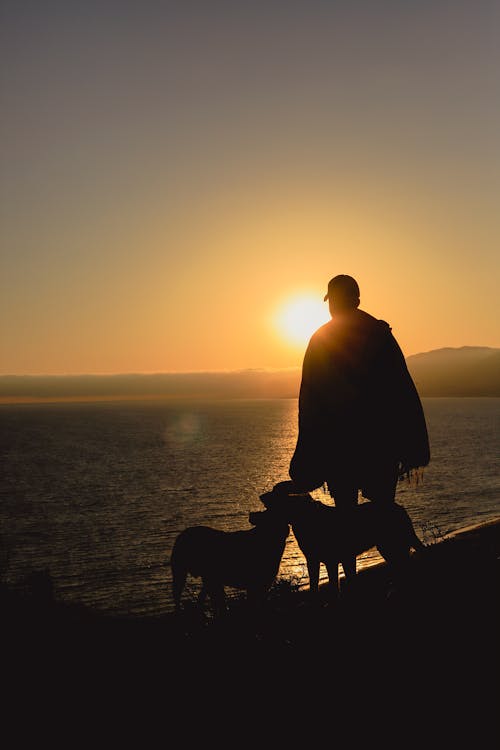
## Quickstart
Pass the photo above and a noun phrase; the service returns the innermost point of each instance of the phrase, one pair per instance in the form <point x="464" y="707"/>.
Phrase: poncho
<point x="358" y="404"/>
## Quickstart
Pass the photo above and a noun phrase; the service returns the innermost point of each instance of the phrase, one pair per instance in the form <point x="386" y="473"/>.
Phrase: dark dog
<point x="246" y="560"/>
<point x="331" y="536"/>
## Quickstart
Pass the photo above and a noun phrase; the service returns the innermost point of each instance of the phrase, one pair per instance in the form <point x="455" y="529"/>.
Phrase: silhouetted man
<point x="361" y="421"/>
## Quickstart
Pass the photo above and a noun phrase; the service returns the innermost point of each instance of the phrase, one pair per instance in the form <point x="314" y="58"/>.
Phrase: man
<point x="361" y="421"/>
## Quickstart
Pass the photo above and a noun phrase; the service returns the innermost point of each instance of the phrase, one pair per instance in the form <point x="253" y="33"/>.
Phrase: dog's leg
<point x="202" y="595"/>
<point x="256" y="603"/>
<point x="218" y="599"/>
<point x="179" y="576"/>
<point x="397" y="558"/>
<point x="313" y="571"/>
<point x="349" y="567"/>
<point x="350" y="578"/>
<point x="415" y="542"/>
<point x="411" y="536"/>
<point x="332" y="568"/>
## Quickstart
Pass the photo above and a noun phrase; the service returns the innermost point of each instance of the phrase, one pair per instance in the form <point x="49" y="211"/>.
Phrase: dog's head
<point x="257" y="517"/>
<point x="286" y="498"/>
<point x="269" y="520"/>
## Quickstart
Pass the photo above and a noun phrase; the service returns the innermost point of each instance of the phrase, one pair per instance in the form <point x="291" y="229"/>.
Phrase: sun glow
<point x="298" y="318"/>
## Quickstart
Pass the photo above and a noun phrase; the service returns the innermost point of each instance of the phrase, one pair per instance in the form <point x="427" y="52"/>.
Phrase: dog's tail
<point x="413" y="541"/>
<point x="418" y="545"/>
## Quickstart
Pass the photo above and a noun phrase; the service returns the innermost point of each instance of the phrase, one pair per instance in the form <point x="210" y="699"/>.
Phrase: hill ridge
<point x="448" y="371"/>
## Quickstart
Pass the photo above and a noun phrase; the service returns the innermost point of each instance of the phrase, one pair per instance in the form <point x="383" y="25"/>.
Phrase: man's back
<point x="358" y="405"/>
<point x="344" y="356"/>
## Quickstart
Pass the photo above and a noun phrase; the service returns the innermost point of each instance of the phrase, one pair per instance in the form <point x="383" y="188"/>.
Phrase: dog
<point x="331" y="536"/>
<point x="247" y="559"/>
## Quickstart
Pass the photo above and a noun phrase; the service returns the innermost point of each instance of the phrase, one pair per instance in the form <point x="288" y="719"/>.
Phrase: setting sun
<point x="298" y="318"/>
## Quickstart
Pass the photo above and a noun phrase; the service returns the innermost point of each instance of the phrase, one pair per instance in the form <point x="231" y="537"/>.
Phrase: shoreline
<point x="433" y="573"/>
<point x="428" y="653"/>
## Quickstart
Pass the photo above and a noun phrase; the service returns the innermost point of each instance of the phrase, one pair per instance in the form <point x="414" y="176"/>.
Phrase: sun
<point x="297" y="318"/>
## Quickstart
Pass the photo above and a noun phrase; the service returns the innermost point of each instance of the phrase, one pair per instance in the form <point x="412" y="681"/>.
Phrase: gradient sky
<point x="173" y="172"/>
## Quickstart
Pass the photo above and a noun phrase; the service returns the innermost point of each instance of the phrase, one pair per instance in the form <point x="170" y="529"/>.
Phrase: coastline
<point x="455" y="577"/>
<point x="424" y="661"/>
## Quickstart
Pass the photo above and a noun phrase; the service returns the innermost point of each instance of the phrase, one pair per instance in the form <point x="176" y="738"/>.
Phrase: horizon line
<point x="264" y="368"/>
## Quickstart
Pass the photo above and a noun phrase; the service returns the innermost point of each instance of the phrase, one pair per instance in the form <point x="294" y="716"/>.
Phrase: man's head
<point x="343" y="293"/>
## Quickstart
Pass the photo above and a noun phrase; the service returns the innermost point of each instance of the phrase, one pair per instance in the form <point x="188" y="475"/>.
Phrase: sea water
<point x="94" y="494"/>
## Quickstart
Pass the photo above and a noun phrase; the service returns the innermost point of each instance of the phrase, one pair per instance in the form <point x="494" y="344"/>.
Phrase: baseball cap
<point x="342" y="286"/>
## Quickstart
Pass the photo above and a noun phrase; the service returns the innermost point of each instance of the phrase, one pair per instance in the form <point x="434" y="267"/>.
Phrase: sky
<point x="179" y="180"/>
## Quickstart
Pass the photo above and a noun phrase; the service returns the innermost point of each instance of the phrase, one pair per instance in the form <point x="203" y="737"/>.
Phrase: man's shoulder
<point x="371" y="320"/>
<point x="323" y="332"/>
<point x="345" y="325"/>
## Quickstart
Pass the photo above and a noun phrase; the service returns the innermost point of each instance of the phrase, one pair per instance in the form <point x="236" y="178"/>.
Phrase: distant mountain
<point x="467" y="371"/>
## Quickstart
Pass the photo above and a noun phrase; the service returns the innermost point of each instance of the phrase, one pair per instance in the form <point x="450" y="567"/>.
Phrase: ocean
<point x="94" y="494"/>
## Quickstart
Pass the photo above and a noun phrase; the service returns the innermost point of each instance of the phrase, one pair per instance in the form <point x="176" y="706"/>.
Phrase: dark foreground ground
<point x="426" y="657"/>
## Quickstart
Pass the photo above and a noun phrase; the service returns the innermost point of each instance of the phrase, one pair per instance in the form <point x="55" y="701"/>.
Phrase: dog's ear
<point x="286" y="488"/>
<point x="267" y="499"/>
